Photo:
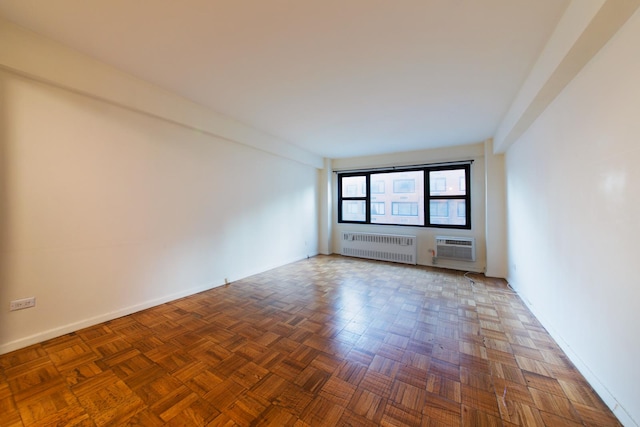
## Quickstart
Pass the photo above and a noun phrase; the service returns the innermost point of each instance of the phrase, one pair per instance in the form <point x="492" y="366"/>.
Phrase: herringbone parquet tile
<point x="327" y="341"/>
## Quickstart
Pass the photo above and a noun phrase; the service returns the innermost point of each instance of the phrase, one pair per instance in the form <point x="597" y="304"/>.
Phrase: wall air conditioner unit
<point x="458" y="248"/>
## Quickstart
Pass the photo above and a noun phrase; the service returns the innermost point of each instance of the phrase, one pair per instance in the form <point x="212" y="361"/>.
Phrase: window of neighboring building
<point x="377" y="187"/>
<point x="404" y="209"/>
<point x="439" y="208"/>
<point x="426" y="196"/>
<point x="404" y="185"/>
<point x="462" y="209"/>
<point x="377" y="208"/>
<point x="438" y="184"/>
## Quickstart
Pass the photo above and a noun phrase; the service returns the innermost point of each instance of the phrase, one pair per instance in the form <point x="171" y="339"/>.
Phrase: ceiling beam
<point x="553" y="71"/>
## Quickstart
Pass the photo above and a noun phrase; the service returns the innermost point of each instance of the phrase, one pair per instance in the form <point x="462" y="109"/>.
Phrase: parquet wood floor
<point x="326" y="341"/>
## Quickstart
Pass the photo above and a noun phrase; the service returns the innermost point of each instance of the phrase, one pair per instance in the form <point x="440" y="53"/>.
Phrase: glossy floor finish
<point x="326" y="341"/>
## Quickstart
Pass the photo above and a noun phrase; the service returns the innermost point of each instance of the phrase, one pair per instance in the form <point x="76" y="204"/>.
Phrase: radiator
<point x="459" y="248"/>
<point x="382" y="247"/>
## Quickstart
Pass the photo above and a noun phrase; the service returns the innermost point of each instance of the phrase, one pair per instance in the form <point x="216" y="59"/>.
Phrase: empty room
<point x="307" y="213"/>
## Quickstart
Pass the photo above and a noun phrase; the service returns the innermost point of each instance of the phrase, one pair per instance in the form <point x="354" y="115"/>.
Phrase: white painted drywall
<point x="106" y="210"/>
<point x="27" y="53"/>
<point x="326" y="203"/>
<point x="573" y="204"/>
<point x="495" y="224"/>
<point x="426" y="236"/>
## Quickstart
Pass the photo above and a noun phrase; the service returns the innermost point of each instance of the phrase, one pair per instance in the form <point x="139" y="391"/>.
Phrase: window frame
<point x="366" y="199"/>
<point x="427" y="197"/>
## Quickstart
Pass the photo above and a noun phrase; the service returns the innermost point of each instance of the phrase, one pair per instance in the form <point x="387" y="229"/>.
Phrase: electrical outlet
<point x="20" y="304"/>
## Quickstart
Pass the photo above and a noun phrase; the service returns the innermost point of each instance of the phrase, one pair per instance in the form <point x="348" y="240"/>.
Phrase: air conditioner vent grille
<point x="458" y="242"/>
<point x="458" y="248"/>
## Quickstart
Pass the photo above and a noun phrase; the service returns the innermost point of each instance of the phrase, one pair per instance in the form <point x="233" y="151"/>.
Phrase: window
<point x="438" y="184"/>
<point x="377" y="187"/>
<point x="404" y="197"/>
<point x="404" y="185"/>
<point x="445" y="200"/>
<point x="377" y="208"/>
<point x="352" y="190"/>
<point x="404" y="209"/>
<point x="439" y="209"/>
<point x="354" y="186"/>
<point x="353" y="210"/>
<point x="423" y="196"/>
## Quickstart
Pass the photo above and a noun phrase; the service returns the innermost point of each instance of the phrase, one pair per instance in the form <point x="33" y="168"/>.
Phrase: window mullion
<point x="427" y="197"/>
<point x="367" y="203"/>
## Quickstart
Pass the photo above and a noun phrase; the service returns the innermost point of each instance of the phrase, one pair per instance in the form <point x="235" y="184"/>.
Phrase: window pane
<point x="353" y="210"/>
<point x="448" y="212"/>
<point x="354" y="186"/>
<point x="389" y="189"/>
<point x="447" y="183"/>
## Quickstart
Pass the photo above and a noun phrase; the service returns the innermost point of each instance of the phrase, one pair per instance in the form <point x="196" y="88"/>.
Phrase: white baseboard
<point x="609" y="399"/>
<point x="75" y="326"/>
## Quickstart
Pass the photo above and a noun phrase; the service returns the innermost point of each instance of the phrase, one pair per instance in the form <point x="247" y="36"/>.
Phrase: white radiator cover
<point x="458" y="248"/>
<point x="382" y="247"/>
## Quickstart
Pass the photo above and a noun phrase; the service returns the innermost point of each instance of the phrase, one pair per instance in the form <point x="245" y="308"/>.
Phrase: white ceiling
<point x="339" y="78"/>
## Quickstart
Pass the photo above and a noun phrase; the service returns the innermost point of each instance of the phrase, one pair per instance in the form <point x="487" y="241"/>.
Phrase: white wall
<point x="30" y="54"/>
<point x="495" y="224"/>
<point x="426" y="236"/>
<point x="573" y="207"/>
<point x="326" y="202"/>
<point x="107" y="210"/>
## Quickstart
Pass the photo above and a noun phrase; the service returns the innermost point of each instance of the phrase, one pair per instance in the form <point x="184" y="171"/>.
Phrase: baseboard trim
<point x="609" y="399"/>
<point x="75" y="326"/>
<point x="105" y="317"/>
